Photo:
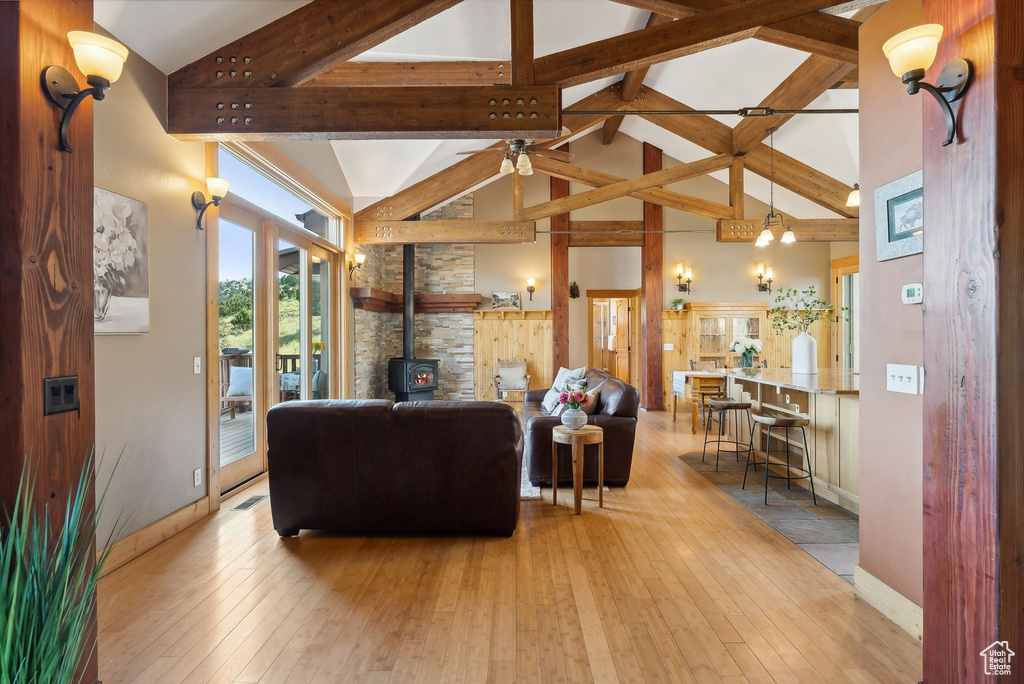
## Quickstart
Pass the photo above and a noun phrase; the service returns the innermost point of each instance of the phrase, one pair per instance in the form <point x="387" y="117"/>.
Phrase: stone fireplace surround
<point x="440" y="268"/>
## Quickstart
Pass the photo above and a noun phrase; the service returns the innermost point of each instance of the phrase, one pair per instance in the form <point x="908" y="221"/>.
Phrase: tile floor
<point x="827" y="532"/>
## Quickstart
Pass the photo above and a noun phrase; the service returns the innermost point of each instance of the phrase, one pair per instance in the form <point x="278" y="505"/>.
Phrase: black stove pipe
<point x="409" y="298"/>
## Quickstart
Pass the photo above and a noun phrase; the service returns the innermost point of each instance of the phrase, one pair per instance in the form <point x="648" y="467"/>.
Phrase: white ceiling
<point x="172" y="33"/>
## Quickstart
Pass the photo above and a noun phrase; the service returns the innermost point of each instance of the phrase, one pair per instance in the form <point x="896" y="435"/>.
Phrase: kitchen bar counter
<point x="830" y="400"/>
<point x="827" y="381"/>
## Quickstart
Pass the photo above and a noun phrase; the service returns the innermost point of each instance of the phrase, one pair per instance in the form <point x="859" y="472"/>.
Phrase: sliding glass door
<point x="292" y="331"/>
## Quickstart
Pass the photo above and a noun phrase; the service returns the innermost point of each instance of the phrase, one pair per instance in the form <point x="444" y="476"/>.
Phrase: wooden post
<point x="736" y="187"/>
<point x="559" y="280"/>
<point x="652" y="291"/>
<point x="46" y="274"/>
<point x="973" y="276"/>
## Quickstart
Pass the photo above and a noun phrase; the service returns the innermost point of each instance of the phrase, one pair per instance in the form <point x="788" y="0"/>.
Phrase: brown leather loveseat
<point x="377" y="466"/>
<point x="617" y="406"/>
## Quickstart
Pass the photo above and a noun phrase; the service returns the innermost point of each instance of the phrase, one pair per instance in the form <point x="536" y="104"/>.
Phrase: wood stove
<point x="411" y="379"/>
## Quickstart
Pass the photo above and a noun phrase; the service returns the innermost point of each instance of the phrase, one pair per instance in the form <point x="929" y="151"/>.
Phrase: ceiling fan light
<point x="788" y="237"/>
<point x="854" y="199"/>
<point x="524" y="162"/>
<point x="506" y="166"/>
<point x="526" y="171"/>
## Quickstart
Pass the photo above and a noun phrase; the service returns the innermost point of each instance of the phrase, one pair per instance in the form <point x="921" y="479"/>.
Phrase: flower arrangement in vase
<point x="113" y="258"/>
<point x="798" y="310"/>
<point x="746" y="348"/>
<point x="573" y="416"/>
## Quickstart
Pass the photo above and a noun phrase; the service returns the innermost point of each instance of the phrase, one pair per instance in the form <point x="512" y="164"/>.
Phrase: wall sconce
<point x="100" y="59"/>
<point x="680" y="272"/>
<point x="911" y="53"/>
<point x="531" y="286"/>
<point x="218" y="189"/>
<point x="762" y="275"/>
<point x="357" y="262"/>
<point x="853" y="200"/>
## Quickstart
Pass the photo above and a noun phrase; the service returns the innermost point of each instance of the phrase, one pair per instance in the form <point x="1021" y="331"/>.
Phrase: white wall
<point x="597" y="268"/>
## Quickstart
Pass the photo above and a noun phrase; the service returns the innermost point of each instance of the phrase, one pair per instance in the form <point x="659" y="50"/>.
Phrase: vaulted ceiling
<point x="174" y="33"/>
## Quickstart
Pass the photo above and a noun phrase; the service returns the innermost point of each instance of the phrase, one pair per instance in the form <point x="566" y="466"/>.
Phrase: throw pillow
<point x="590" y="408"/>
<point x="563" y="378"/>
<point x="512" y="375"/>
<point x="240" y="381"/>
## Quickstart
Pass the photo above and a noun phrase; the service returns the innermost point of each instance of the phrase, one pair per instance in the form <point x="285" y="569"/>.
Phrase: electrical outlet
<point x="669" y="346"/>
<point x="197" y="364"/>
<point x="60" y="394"/>
<point x="901" y="378"/>
<point x="197" y="477"/>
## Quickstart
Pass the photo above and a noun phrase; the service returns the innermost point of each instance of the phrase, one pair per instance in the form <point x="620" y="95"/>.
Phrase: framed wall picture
<point x="899" y="217"/>
<point x="506" y="301"/>
<point x="120" y="260"/>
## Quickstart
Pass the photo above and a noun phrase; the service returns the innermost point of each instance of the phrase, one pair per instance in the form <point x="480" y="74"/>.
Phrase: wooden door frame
<point x="840" y="267"/>
<point x="634" y="302"/>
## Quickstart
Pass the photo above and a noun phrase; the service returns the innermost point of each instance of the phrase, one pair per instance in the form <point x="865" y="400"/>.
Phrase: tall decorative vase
<point x="100" y="302"/>
<point x="805" y="355"/>
<point x="574" y="419"/>
<point x="747" y="359"/>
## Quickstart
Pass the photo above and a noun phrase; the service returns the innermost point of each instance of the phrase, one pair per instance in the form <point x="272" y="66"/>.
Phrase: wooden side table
<point x="588" y="434"/>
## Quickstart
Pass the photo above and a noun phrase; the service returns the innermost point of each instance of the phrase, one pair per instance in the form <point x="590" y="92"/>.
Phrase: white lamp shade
<point x="770" y="274"/>
<point x="526" y="171"/>
<point x="766" y="235"/>
<point x="913" y="49"/>
<point x="524" y="162"/>
<point x="854" y="199"/>
<point x="531" y="282"/>
<point x="98" y="55"/>
<point x="217" y="187"/>
<point x="689" y="273"/>
<point x="360" y="259"/>
<point x="788" y="237"/>
<point x="506" y="166"/>
<point x="760" y="242"/>
<point x="679" y="269"/>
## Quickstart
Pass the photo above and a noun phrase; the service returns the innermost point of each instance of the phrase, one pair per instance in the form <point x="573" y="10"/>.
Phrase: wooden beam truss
<point x="806" y="230"/>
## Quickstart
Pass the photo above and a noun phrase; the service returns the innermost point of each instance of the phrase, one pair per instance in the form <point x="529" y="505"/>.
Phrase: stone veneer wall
<point x="448" y="337"/>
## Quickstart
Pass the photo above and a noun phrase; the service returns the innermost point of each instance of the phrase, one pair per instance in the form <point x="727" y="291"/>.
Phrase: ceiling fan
<point x="522" y="149"/>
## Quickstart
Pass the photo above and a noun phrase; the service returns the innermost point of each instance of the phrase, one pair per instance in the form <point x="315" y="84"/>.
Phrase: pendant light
<point x="506" y="165"/>
<point x="774" y="218"/>
<point x="854" y="199"/>
<point x="524" y="165"/>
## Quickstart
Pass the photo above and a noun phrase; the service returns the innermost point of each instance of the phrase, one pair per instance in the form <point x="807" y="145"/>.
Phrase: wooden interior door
<point x="622" y="347"/>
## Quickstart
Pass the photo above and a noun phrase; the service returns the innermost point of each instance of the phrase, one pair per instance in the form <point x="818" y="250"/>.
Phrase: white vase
<point x="574" y="419"/>
<point x="805" y="355"/>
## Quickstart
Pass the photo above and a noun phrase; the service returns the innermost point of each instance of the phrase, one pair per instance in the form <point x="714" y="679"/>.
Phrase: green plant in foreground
<point x="48" y="585"/>
<point x="800" y="309"/>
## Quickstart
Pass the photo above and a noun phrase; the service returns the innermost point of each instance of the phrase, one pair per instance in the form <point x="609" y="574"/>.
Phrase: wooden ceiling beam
<point x="806" y="230"/>
<point x="304" y="43"/>
<point x="371" y="231"/>
<point x="623" y="188"/>
<point x="397" y="74"/>
<point x="606" y="233"/>
<point x="363" y="113"/>
<point x="659" y="196"/>
<point x="818" y="32"/>
<point x="717" y="137"/>
<point x="812" y="78"/>
<point x="521" y="13"/>
<point x="656" y="44"/>
<point x="477" y="169"/>
<point x="631" y="83"/>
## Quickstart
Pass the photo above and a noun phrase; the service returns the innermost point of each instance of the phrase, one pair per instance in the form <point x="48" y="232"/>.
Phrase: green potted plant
<point x="798" y="310"/>
<point x="48" y="584"/>
<point x="677" y="304"/>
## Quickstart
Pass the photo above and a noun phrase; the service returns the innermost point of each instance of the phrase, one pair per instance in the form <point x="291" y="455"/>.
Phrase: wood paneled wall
<point x="46" y="232"/>
<point x="680" y="329"/>
<point x="973" y="315"/>
<point x="510" y="335"/>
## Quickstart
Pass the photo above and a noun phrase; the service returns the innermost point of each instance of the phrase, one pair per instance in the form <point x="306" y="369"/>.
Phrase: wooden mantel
<point x="372" y="299"/>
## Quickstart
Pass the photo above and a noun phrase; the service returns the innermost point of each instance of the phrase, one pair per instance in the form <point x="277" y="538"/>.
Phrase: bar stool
<point x="722" y="405"/>
<point x="769" y="421"/>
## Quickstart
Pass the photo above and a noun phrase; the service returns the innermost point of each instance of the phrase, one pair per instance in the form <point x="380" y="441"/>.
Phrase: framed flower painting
<point x="120" y="263"/>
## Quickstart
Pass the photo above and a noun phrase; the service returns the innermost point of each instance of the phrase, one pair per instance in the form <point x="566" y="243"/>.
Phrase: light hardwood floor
<point x="671" y="581"/>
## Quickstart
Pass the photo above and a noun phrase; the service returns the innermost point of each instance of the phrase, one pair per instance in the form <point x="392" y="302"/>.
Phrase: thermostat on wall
<point x="913" y="293"/>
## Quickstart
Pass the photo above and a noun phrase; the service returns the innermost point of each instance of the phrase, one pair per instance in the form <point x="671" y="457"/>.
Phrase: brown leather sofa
<point x="617" y="406"/>
<point x="377" y="466"/>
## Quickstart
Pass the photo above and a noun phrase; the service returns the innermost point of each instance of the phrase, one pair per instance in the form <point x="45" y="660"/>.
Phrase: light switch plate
<point x="913" y="293"/>
<point x="669" y="346"/>
<point x="901" y="378"/>
<point x="197" y="364"/>
<point x="197" y="477"/>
